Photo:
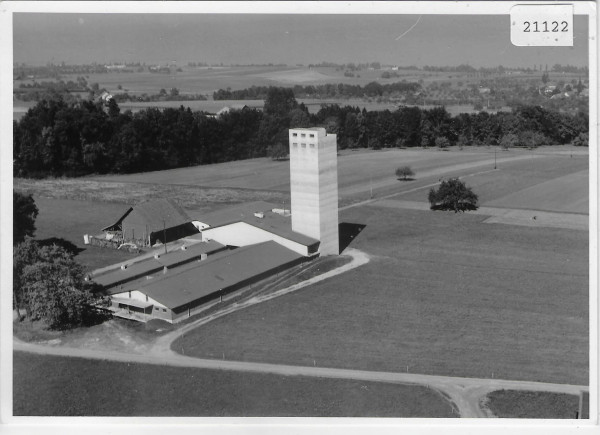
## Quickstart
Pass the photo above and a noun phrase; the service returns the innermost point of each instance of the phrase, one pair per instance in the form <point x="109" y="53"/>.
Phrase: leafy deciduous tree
<point x="404" y="172"/>
<point x="453" y="194"/>
<point x="24" y="213"/>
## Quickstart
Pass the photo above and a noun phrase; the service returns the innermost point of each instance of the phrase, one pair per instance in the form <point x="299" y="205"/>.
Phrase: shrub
<point x="404" y="172"/>
<point x="442" y="142"/>
<point x="582" y="140"/>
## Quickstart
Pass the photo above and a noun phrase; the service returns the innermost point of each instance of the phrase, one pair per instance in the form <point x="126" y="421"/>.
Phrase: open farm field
<point x="89" y="388"/>
<point x="443" y="294"/>
<point x="568" y="193"/>
<point x="547" y="182"/>
<point x="532" y="404"/>
<point x="359" y="171"/>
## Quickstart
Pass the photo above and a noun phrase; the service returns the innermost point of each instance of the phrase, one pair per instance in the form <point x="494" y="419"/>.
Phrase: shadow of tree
<point x="68" y="246"/>
<point x="450" y="207"/>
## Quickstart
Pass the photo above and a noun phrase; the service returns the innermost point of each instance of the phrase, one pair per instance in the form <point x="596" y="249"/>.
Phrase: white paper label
<point x="541" y="25"/>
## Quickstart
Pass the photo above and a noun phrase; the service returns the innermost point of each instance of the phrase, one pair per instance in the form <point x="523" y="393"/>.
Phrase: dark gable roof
<point x="218" y="272"/>
<point x="155" y="212"/>
<point x="117" y="225"/>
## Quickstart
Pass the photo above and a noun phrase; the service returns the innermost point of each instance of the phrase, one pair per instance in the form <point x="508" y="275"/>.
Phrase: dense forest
<point x="58" y="138"/>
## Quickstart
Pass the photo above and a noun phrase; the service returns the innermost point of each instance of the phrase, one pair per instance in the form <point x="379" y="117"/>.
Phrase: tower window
<point x="312" y="135"/>
<point x="303" y="135"/>
<point x="303" y="145"/>
<point x="312" y="145"/>
<point x="295" y="144"/>
<point x="295" y="134"/>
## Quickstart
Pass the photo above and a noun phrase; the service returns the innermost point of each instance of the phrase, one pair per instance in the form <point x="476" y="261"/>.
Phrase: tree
<point x="24" y="213"/>
<point x="442" y="142"/>
<point x="582" y="140"/>
<point x="277" y="151"/>
<point x="452" y="194"/>
<point x="51" y="287"/>
<point x="279" y="101"/>
<point x="545" y="78"/>
<point x="404" y="172"/>
<point x="509" y="140"/>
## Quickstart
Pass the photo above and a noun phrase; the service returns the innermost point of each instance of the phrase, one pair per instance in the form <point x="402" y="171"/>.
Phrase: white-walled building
<point x="314" y="186"/>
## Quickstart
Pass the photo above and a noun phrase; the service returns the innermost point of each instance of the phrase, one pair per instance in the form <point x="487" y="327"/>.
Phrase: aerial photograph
<point x="298" y="215"/>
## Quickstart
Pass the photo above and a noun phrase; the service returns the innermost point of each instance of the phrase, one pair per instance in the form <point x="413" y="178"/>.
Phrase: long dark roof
<point x="154" y="266"/>
<point x="219" y="272"/>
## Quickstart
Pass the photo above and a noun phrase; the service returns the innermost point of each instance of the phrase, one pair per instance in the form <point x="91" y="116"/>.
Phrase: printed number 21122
<point x="544" y="26"/>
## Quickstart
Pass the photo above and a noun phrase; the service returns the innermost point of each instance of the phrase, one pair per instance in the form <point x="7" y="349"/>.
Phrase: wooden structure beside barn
<point x="152" y="222"/>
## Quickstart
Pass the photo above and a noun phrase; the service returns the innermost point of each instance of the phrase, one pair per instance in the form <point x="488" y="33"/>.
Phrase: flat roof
<point x="153" y="265"/>
<point x="272" y="222"/>
<point x="281" y="226"/>
<point x="236" y="213"/>
<point x="216" y="273"/>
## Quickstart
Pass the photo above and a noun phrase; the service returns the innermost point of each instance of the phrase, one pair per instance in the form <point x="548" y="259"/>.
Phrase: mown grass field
<point x="61" y="386"/>
<point x="444" y="294"/>
<point x="361" y="171"/>
<point x="532" y="404"/>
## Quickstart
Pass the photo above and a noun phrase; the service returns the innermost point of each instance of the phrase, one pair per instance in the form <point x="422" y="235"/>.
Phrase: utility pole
<point x="495" y="149"/>
<point x="165" y="236"/>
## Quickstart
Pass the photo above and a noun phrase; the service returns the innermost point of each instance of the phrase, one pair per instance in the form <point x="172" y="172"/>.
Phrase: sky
<point x="477" y="40"/>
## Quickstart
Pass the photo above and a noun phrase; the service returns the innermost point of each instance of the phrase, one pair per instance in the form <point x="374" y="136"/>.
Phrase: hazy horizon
<point x="436" y="40"/>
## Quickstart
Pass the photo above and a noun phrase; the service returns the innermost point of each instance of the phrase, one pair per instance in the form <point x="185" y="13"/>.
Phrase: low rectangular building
<point x="182" y="292"/>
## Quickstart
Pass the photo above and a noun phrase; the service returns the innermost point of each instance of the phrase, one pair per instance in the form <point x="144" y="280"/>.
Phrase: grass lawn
<point x="61" y="386"/>
<point x="443" y="294"/>
<point x="70" y="220"/>
<point x="552" y="183"/>
<point x="532" y="404"/>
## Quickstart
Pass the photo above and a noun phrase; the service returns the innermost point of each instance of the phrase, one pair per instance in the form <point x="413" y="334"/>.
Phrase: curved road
<point x="465" y="394"/>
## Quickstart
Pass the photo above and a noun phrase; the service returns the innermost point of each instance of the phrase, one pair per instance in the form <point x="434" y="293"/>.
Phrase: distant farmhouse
<point x="218" y="253"/>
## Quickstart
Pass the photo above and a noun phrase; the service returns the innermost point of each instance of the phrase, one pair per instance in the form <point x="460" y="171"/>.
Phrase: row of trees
<point x="56" y="138"/>
<point x="329" y="90"/>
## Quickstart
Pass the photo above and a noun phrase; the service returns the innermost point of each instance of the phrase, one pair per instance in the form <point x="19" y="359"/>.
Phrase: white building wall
<point x="138" y="296"/>
<point x="243" y="234"/>
<point x="314" y="186"/>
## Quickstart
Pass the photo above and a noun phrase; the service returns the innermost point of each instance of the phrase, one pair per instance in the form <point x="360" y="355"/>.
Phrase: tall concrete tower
<point x="314" y="186"/>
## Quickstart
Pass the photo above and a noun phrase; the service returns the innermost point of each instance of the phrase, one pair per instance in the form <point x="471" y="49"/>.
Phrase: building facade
<point x="314" y="186"/>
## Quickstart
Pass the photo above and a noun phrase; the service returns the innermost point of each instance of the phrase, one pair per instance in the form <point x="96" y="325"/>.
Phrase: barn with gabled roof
<point x="151" y="222"/>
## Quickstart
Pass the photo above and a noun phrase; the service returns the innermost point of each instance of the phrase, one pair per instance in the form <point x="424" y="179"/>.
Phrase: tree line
<point x="329" y="90"/>
<point x="59" y="138"/>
